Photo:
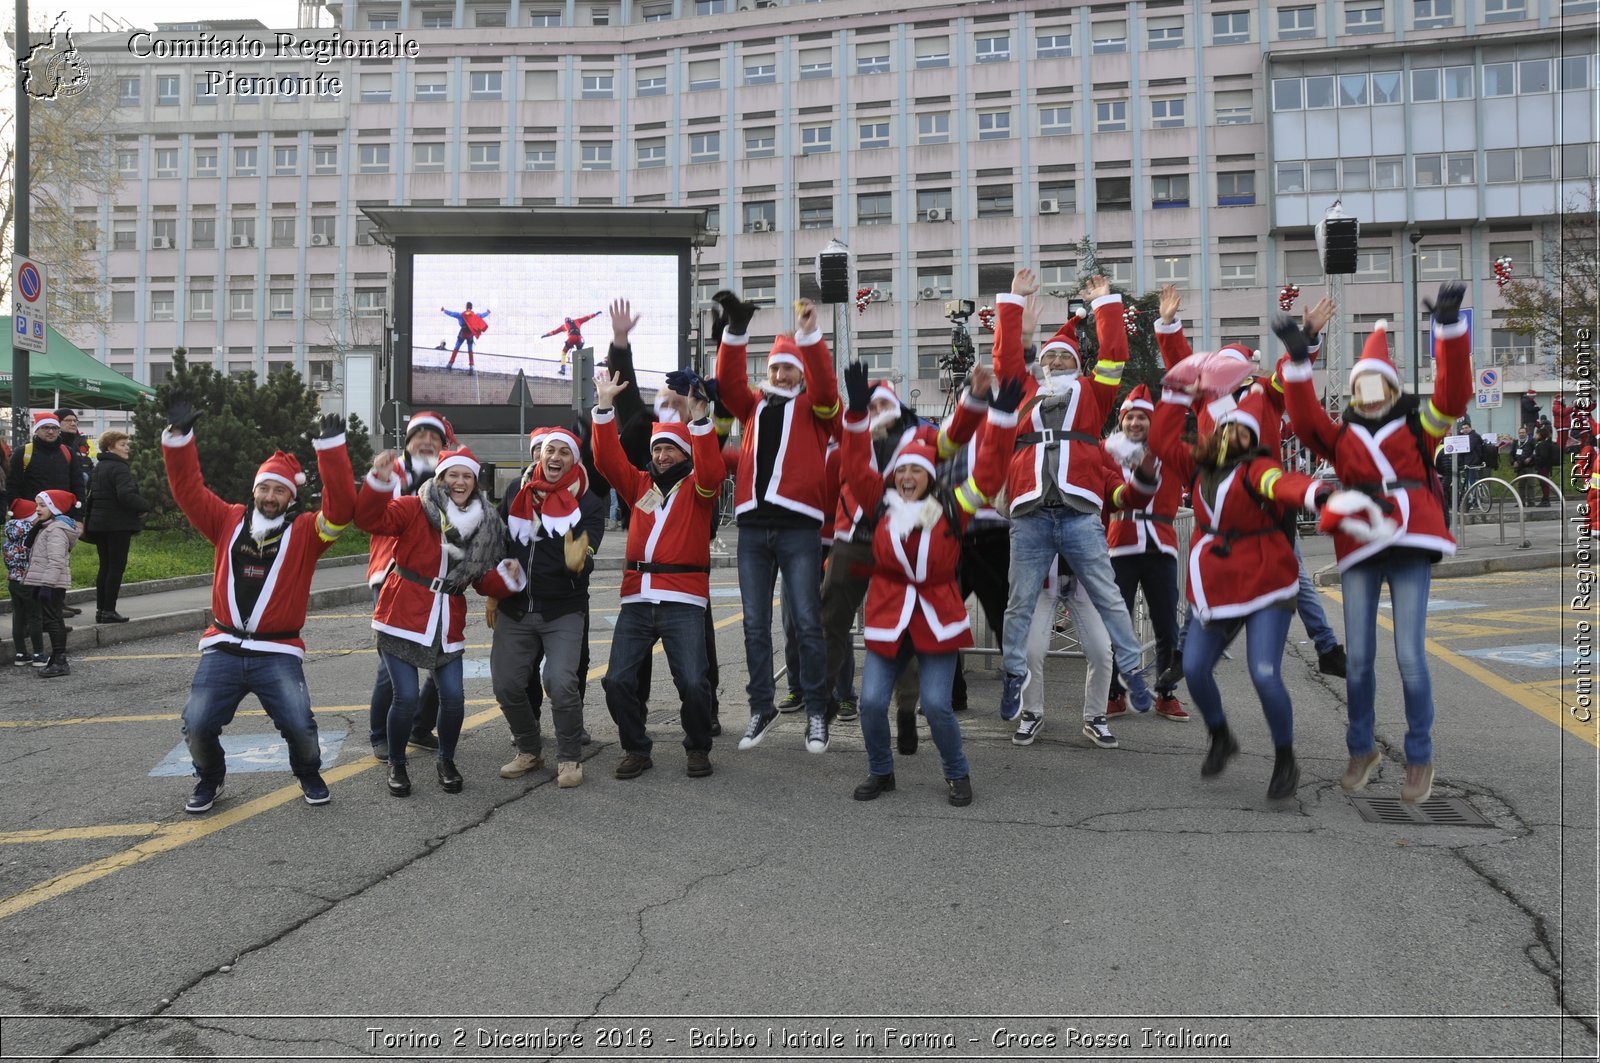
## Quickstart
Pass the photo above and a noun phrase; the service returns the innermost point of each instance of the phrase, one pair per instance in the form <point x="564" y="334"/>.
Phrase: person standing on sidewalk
<point x="45" y="463"/>
<point x="1380" y="447"/>
<point x="666" y="581"/>
<point x="115" y="517"/>
<point x="779" y="496"/>
<point x="1546" y="456"/>
<point x="265" y="555"/>
<point x="49" y="572"/>
<point x="27" y="622"/>
<point x="554" y="526"/>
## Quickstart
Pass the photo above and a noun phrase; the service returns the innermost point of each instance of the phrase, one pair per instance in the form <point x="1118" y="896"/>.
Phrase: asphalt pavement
<point x="1089" y="903"/>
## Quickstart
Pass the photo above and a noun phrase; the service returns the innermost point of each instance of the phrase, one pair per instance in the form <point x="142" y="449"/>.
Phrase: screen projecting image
<point x="476" y="320"/>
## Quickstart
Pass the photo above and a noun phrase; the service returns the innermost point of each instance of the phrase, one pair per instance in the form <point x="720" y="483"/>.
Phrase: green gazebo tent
<point x="73" y="373"/>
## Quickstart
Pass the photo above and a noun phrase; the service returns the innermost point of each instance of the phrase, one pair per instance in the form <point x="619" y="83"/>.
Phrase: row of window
<point x="1432" y="84"/>
<point x="204" y="232"/>
<point x="241" y="303"/>
<point x="1501" y="166"/>
<point x="590" y="15"/>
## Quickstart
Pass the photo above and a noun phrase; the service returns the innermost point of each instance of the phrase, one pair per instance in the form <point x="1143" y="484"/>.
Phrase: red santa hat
<point x="1250" y="411"/>
<point x="45" y="419"/>
<point x="435" y="421"/>
<point x="283" y="468"/>
<point x="1241" y="352"/>
<point x="58" y="502"/>
<point x="784" y="352"/>
<point x="561" y="435"/>
<point x="536" y="440"/>
<point x="883" y="389"/>
<point x="1066" y="337"/>
<point x="1375" y="357"/>
<point x="1531" y="393"/>
<point x="461" y="457"/>
<point x="23" y="509"/>
<point x="675" y="433"/>
<point x="919" y="453"/>
<point x="1139" y="399"/>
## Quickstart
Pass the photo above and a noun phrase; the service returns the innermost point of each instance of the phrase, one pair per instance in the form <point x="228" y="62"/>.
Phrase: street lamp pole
<point x="1416" y="332"/>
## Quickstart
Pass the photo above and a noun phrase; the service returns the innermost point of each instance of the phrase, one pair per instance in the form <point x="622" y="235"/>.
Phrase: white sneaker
<point x="816" y="734"/>
<point x="1097" y="731"/>
<point x="1027" y="727"/>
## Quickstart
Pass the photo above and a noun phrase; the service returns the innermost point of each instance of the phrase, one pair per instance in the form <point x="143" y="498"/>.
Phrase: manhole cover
<point x="1438" y="812"/>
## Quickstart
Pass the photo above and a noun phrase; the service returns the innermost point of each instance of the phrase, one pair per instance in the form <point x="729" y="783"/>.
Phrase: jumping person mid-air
<point x="573" y="329"/>
<point x="473" y="325"/>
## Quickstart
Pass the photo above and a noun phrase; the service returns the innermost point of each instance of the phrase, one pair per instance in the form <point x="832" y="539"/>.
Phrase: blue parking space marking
<point x="475" y="668"/>
<point x="1535" y="655"/>
<point x="268" y="752"/>
<point x="1437" y="605"/>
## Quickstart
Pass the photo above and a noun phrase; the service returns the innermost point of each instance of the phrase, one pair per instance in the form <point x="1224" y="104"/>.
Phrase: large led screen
<point x="479" y="319"/>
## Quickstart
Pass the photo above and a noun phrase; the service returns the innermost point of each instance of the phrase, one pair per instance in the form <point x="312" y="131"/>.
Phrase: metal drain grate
<point x="1436" y="812"/>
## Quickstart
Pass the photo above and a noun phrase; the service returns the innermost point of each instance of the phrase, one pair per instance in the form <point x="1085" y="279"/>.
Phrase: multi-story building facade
<point x="1196" y="143"/>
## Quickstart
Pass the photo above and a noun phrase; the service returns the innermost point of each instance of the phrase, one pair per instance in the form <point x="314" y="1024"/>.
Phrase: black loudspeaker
<point x="833" y="277"/>
<point x="1336" y="244"/>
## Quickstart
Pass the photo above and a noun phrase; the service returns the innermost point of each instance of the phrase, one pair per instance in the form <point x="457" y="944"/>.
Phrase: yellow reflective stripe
<point x="968" y="496"/>
<point x="827" y="413"/>
<point x="703" y="493"/>
<point x="1119" y="497"/>
<point x="1277" y="382"/>
<point x="947" y="446"/>
<point x="1109" y="372"/>
<point x="1435" y="422"/>
<point x="1269" y="480"/>
<point x="327" y="530"/>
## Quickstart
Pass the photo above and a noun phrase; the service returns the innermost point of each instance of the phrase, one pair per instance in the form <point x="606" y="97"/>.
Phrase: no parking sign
<point x="1489" y="393"/>
<point x="28" y="321"/>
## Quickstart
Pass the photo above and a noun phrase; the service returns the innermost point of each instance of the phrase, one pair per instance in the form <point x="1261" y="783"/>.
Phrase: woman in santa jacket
<point x="914" y="603"/>
<point x="1242" y="569"/>
<point x="447" y="538"/>
<point x="1382" y="446"/>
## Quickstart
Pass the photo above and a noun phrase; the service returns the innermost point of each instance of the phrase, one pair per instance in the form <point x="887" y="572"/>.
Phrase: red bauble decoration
<point x="863" y="297"/>
<point x="1286" y="297"/>
<point x="1502" y="271"/>
<point x="986" y="317"/>
<point x="1130" y="320"/>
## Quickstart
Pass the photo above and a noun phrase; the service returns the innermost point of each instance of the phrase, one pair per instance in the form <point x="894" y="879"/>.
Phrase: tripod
<point x="957" y="364"/>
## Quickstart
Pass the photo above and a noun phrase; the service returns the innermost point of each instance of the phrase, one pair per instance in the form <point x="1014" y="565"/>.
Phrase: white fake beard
<point x="1124" y="451"/>
<point x="423" y="464"/>
<point x="261" y="526"/>
<point x="905" y="516"/>
<point x="667" y="413"/>
<point x="773" y="391"/>
<point x="1059" y="381"/>
<point x="881" y="423"/>
<point x="466" y="520"/>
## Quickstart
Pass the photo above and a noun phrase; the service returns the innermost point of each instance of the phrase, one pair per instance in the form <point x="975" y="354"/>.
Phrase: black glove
<point x="681" y="381"/>
<point x="737" y="312"/>
<point x="181" y="414"/>
<point x="332" y="425"/>
<point x="1446" y="306"/>
<point x="1293" y="338"/>
<point x="1008" y="395"/>
<point x="712" y="390"/>
<point x="858" y="392"/>
<point x="1322" y="495"/>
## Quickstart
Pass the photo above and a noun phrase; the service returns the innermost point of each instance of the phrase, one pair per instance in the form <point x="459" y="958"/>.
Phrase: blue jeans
<point x="1309" y="605"/>
<point x="844" y="685"/>
<point x="1409" y="579"/>
<point x="763" y="553"/>
<point x="1265" y="631"/>
<point x="681" y="629"/>
<point x="452" y="705"/>
<point x="1037" y="539"/>
<point x="221" y="683"/>
<point x="878" y="678"/>
<point x="383" y="696"/>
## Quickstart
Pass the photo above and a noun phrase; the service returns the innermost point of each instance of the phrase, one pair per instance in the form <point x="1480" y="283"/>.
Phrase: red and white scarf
<point x="554" y="506"/>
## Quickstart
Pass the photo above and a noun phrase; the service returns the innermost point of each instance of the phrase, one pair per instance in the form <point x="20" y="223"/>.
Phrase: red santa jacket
<point x="946" y="439"/>
<point x="407" y="609"/>
<point x="832" y="487"/>
<point x="809" y="420"/>
<point x="380" y="555"/>
<point x="1129" y="528"/>
<point x="1239" y="562"/>
<point x="282" y="605"/>
<point x="1086" y="403"/>
<point x="678" y="531"/>
<point x="914" y="590"/>
<point x="1383" y="459"/>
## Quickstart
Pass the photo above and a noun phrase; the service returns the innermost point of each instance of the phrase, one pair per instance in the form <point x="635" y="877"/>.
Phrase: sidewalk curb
<point x="95" y="635"/>
<point x="1458" y="567"/>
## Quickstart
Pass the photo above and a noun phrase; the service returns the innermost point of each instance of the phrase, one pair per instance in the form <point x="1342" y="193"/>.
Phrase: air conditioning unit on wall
<point x="320" y="240"/>
<point x="938" y="214"/>
<point x="1049" y="206"/>
<point x="160" y="243"/>
<point x="240" y="241"/>
<point x="761" y="225"/>
<point x="928" y="293"/>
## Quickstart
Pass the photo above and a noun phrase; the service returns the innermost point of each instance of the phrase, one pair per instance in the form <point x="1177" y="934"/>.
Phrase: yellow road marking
<point x="69" y="834"/>
<point x="1535" y="701"/>
<point x="312" y="653"/>
<point x="91" y="719"/>
<point x="183" y="832"/>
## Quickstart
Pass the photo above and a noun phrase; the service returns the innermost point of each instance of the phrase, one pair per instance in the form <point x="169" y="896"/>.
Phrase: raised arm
<point x="994" y="449"/>
<point x="865" y="481"/>
<point x="380" y="508"/>
<point x="1112" y="332"/>
<point x="338" y="481"/>
<point x="625" y="479"/>
<point x="1170" y="340"/>
<point x="1452" y="354"/>
<point x="1309" y="421"/>
<point x="822" y="387"/>
<point x="731" y="329"/>
<point x="1006" y="349"/>
<point x="964" y="421"/>
<point x="1166" y="435"/>
<point x="1290" y="490"/>
<point x="707" y="454"/>
<point x="204" y="509"/>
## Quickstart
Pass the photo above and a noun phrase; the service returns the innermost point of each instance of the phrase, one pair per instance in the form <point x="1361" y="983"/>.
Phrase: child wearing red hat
<point x="27" y="622"/>
<point x="49" y="573"/>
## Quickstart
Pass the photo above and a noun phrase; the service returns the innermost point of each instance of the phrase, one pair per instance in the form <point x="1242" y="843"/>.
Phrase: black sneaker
<point x="22" y="660"/>
<point x="757" y="730"/>
<point x="960" y="791"/>
<point x="1332" y="663"/>
<point x="450" y="780"/>
<point x="816" y="734"/>
<point x="425" y="740"/>
<point x="399" y="780"/>
<point x="315" y="790"/>
<point x="905" y="725"/>
<point x="1027" y="729"/>
<point x="1285" y="775"/>
<point x="846" y="709"/>
<point x="874" y="787"/>
<point x="793" y="701"/>
<point x="1224" y="747"/>
<point x="380" y="750"/>
<point x="204" y="796"/>
<point x="1098" y="731"/>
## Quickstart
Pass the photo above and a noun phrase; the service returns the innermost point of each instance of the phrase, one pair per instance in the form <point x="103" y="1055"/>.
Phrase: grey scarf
<point x="473" y="555"/>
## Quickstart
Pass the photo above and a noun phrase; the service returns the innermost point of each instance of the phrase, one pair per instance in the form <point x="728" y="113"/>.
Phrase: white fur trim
<point x="1220" y="408"/>
<point x="1177" y="398"/>
<point x="736" y="339"/>
<point x="1106" y="300"/>
<point x="46" y="422"/>
<point x="668" y="437"/>
<point x="1296" y="371"/>
<point x="328" y="444"/>
<point x="603" y="414"/>
<point x="1014" y="300"/>
<point x="1164" y="329"/>
<point x="887" y="394"/>
<point x="424" y="421"/>
<point x="1238" y="416"/>
<point x="567" y="437"/>
<point x="784" y="358"/>
<point x="1002" y="419"/>
<point x="168" y="439"/>
<point x="454" y="461"/>
<point x="284" y="480"/>
<point x="1136" y="404"/>
<point x="856" y="422"/>
<point x="808" y="339"/>
<point x="1058" y="345"/>
<point x="1374" y="365"/>
<point x="518" y="584"/>
<point x="1451" y="331"/>
<point x="914" y="459"/>
<point x="387" y="484"/>
<point x="702" y="427"/>
<point x="972" y="402"/>
<point x="1310" y="501"/>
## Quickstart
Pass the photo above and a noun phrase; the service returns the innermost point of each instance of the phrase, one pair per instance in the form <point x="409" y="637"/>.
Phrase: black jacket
<point x="1530" y="410"/>
<point x="553" y="589"/>
<point x="117" y="503"/>
<point x="1546" y="455"/>
<point x="53" y="467"/>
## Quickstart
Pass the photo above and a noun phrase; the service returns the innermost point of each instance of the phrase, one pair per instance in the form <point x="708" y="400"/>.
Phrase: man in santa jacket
<point x="1055" y="482"/>
<point x="426" y="435"/>
<point x="265" y="555"/>
<point x="1174" y="348"/>
<point x="666" y="582"/>
<point x="779" y="497"/>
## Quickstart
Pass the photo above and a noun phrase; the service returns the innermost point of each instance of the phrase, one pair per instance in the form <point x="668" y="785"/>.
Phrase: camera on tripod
<point x="961" y="356"/>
